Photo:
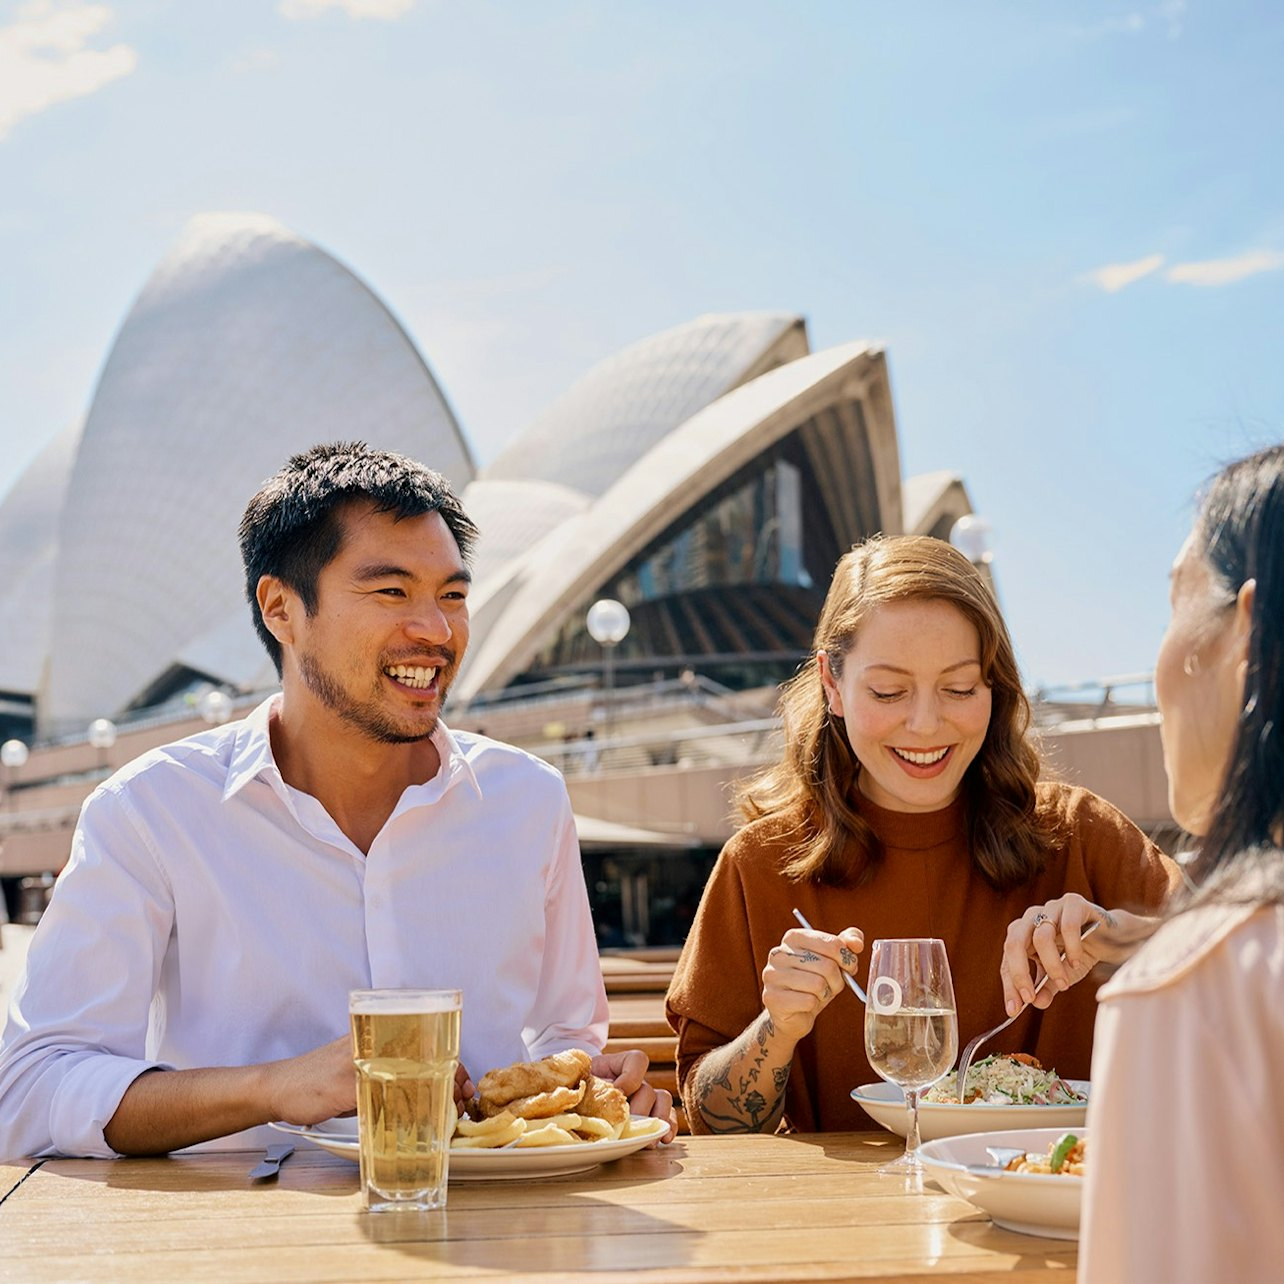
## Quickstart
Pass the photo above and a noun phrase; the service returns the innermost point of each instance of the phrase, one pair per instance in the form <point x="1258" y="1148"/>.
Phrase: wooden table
<point x="705" y="1208"/>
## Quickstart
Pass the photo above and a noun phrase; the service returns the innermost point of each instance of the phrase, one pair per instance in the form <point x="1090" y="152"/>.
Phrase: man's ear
<point x="277" y="606"/>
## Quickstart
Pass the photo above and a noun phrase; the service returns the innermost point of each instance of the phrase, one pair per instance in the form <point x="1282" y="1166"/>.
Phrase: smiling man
<point x="189" y="980"/>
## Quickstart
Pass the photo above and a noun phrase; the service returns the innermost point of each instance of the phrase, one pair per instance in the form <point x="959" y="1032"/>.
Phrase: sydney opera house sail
<point x="708" y="476"/>
<point x="720" y="537"/>
<point x="246" y="345"/>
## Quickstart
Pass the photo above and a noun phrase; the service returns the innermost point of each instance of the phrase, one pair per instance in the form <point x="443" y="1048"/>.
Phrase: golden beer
<point x="405" y="1046"/>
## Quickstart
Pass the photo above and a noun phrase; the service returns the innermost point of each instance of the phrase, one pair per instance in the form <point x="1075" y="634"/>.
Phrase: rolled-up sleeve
<point x="570" y="1008"/>
<point x="76" y="1035"/>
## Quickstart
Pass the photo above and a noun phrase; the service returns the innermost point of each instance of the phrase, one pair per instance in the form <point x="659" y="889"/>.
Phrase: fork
<point x="965" y="1061"/>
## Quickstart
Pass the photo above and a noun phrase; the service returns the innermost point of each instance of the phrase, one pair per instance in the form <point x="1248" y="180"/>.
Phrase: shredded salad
<point x="1007" y="1080"/>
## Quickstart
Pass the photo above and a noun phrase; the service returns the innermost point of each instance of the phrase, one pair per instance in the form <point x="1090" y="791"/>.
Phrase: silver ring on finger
<point x="1041" y="918"/>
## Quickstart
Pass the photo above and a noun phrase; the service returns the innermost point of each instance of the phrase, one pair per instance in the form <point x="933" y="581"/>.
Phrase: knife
<point x="277" y="1154"/>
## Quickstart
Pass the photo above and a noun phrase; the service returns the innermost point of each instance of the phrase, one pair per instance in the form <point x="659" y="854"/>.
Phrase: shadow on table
<point x="559" y="1226"/>
<point x="193" y="1173"/>
<point x="862" y="1148"/>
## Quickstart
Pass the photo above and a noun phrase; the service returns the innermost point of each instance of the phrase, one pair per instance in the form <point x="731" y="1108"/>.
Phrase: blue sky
<point x="1066" y="222"/>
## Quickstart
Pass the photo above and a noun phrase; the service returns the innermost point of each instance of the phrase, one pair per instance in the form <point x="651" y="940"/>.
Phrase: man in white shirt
<point x="189" y="980"/>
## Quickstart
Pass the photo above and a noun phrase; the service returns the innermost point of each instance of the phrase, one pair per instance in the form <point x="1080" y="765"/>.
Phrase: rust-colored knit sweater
<point x="927" y="885"/>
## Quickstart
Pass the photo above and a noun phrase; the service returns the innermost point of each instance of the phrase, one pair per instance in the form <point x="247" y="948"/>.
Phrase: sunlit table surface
<point x="705" y="1208"/>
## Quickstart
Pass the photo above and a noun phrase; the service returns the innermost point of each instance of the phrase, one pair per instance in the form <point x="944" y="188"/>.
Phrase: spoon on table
<point x="847" y="976"/>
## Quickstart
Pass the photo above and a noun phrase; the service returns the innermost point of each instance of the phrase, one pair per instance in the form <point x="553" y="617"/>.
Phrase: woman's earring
<point x="1190" y="666"/>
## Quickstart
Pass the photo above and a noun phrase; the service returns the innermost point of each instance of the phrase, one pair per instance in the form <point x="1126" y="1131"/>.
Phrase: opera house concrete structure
<point x="708" y="477"/>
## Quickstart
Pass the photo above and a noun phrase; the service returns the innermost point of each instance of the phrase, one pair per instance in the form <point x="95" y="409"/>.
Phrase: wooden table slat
<point x="706" y="1208"/>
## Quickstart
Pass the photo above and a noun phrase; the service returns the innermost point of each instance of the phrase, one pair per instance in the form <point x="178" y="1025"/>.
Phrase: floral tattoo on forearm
<point x="741" y="1103"/>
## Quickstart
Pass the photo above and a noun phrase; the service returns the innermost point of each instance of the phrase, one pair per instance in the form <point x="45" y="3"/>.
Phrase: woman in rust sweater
<point x="907" y="803"/>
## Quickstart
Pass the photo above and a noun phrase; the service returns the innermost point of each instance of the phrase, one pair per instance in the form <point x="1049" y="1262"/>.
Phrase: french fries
<point x="553" y="1102"/>
<point x="505" y="1129"/>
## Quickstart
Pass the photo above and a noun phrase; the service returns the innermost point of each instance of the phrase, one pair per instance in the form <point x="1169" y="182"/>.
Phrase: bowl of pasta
<point x="1036" y="1190"/>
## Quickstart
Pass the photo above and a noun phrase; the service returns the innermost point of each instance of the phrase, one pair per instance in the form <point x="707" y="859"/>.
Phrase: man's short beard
<point x="366" y="719"/>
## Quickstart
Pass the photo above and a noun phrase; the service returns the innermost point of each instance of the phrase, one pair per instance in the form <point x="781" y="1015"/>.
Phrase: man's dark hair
<point x="293" y="527"/>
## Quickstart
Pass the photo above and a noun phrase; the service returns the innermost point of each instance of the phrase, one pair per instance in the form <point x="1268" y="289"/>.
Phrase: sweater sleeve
<point x="716" y="989"/>
<point x="1124" y="868"/>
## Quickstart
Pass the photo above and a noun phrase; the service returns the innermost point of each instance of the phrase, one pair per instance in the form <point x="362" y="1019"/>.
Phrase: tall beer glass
<point x="405" y="1044"/>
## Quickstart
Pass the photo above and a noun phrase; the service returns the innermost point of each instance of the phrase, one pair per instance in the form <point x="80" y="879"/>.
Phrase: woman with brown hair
<point x="906" y="804"/>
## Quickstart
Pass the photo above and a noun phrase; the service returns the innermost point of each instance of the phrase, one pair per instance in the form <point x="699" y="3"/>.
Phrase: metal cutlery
<point x="847" y="976"/>
<point x="277" y="1154"/>
<point x="965" y="1061"/>
<point x="1002" y="1157"/>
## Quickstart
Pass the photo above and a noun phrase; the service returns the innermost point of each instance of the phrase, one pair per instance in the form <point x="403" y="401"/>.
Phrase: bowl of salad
<point x="1004" y="1091"/>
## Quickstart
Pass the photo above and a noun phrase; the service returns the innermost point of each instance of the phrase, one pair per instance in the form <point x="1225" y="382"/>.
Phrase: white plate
<point x="339" y="1137"/>
<point x="885" y="1103"/>
<point x="1032" y="1203"/>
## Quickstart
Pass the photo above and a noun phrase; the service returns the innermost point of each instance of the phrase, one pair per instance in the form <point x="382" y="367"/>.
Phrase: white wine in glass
<point x="911" y="1025"/>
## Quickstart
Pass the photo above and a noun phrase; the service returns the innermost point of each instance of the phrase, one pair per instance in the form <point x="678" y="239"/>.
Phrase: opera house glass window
<point x="730" y="589"/>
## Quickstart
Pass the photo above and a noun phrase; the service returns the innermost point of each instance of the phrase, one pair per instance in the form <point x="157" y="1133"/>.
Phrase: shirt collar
<point x="456" y="766"/>
<point x="252" y="748"/>
<point x="252" y="755"/>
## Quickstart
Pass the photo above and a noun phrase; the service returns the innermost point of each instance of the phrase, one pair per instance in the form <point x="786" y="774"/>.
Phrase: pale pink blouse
<point x="1186" y="1121"/>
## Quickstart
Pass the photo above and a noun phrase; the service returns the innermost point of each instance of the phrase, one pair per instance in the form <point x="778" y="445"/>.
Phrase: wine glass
<point x="911" y="1025"/>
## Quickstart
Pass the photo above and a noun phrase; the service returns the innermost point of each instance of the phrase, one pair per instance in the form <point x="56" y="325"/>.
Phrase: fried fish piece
<point x="528" y="1078"/>
<point x="541" y="1105"/>
<point x="604" y="1100"/>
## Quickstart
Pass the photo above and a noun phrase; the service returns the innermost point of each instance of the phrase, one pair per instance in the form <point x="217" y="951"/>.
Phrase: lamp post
<point x="971" y="536"/>
<point x="13" y="755"/>
<point x="102" y="735"/>
<point x="608" y="625"/>
<point x="215" y="707"/>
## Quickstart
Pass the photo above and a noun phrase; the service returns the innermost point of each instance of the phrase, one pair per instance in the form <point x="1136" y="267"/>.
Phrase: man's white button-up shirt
<point x="211" y="915"/>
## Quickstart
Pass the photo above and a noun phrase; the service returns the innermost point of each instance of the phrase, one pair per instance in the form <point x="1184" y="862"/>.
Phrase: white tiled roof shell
<point x="624" y="405"/>
<point x="511" y="517"/>
<point x="591" y="546"/>
<point x="600" y="427"/>
<point x="28" y="555"/>
<point x="246" y="345"/>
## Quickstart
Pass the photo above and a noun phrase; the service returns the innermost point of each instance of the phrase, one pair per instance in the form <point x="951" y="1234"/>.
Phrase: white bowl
<point x="1030" y="1203"/>
<point x="885" y="1103"/>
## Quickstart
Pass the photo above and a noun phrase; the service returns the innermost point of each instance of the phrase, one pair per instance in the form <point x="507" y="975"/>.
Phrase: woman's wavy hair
<point x="812" y="786"/>
<point x="1240" y="531"/>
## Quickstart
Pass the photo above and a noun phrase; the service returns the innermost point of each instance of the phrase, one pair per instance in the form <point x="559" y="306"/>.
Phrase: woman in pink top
<point x="1186" y="1121"/>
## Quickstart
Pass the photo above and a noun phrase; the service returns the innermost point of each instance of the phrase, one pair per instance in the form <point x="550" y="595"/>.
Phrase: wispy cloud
<point x="383" y="10"/>
<point x="1167" y="13"/>
<point x="253" y="60"/>
<point x="45" y="58"/>
<point x="1114" y="276"/>
<point x="1173" y="12"/>
<point x="1226" y="271"/>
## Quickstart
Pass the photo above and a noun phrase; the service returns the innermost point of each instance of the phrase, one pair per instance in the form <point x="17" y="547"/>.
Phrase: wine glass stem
<point x="911" y="1139"/>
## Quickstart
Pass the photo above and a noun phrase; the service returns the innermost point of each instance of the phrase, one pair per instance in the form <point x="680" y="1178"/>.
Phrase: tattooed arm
<point x="740" y="1087"/>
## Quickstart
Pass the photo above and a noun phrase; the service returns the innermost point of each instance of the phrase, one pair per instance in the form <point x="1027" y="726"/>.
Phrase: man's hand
<point x="465" y="1088"/>
<point x="627" y="1071"/>
<point x="163" y="1110"/>
<point x="315" y="1086"/>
